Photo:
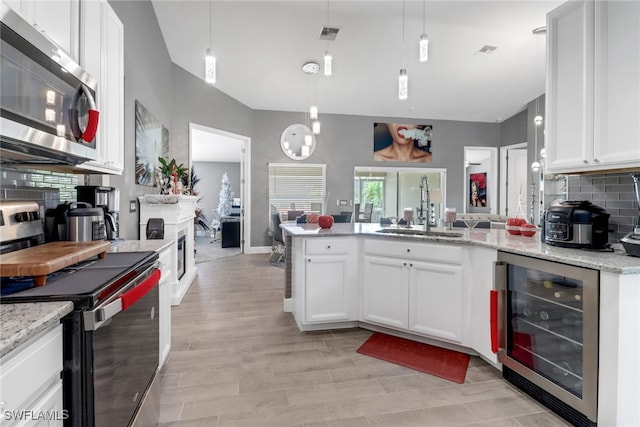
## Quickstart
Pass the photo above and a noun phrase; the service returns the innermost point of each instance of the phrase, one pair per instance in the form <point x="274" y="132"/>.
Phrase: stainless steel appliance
<point x="111" y="338"/>
<point x="547" y="333"/>
<point x="576" y="224"/>
<point x="48" y="113"/>
<point x="85" y="224"/>
<point x="106" y="198"/>
<point x="631" y="241"/>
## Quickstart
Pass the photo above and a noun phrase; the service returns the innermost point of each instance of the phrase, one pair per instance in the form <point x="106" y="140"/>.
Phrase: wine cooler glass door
<point x="546" y="325"/>
<point x="550" y="328"/>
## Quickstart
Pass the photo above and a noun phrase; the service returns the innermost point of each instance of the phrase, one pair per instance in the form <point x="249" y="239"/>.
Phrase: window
<point x="297" y="187"/>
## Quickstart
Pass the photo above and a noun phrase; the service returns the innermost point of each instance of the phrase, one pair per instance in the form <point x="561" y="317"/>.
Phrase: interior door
<point x="513" y="181"/>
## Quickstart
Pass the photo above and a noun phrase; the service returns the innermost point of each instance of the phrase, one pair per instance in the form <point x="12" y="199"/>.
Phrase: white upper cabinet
<point x="593" y="90"/>
<point x="57" y="19"/>
<point x="102" y="55"/>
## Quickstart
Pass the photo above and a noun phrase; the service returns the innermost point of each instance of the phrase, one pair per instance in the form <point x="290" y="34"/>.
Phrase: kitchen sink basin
<point x="415" y="232"/>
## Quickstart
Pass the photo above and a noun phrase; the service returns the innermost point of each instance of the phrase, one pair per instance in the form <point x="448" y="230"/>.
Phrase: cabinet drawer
<point x="29" y="369"/>
<point x="327" y="246"/>
<point x="422" y="251"/>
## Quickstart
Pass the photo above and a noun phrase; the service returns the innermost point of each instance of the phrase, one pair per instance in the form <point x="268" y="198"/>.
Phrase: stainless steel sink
<point x="416" y="232"/>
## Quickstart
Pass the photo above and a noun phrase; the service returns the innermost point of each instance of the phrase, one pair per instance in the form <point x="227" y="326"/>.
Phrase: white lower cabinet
<point x="385" y="291"/>
<point x="420" y="291"/>
<point x="435" y="300"/>
<point x="325" y="291"/>
<point x="166" y="279"/>
<point x="31" y="392"/>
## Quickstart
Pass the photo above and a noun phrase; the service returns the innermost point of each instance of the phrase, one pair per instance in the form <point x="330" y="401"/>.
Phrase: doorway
<point x="513" y="181"/>
<point x="480" y="180"/>
<point x="221" y="161"/>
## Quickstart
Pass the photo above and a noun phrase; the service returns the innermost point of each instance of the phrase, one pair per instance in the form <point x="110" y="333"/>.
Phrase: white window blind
<point x="296" y="187"/>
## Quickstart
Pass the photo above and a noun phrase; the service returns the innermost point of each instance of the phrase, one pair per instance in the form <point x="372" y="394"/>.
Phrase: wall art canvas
<point x="394" y="142"/>
<point x="152" y="139"/>
<point x="478" y="190"/>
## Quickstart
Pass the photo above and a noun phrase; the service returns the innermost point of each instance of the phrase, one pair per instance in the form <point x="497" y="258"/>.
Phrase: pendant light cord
<point x="424" y="14"/>
<point x="403" y="34"/>
<point x="210" y="19"/>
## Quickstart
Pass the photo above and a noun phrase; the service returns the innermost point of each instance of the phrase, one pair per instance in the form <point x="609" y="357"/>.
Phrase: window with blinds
<point x="297" y="187"/>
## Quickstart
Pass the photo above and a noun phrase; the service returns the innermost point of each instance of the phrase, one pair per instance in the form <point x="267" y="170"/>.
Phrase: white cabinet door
<point x="478" y="284"/>
<point x="59" y="20"/>
<point x="329" y="286"/>
<point x="166" y="261"/>
<point x="617" y="83"/>
<point x="593" y="90"/>
<point x="385" y="286"/>
<point x="50" y="404"/>
<point x="435" y="300"/>
<point x="569" y="100"/>
<point x="102" y="55"/>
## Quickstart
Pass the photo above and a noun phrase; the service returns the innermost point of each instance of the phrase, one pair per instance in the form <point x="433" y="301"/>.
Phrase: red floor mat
<point x="448" y="364"/>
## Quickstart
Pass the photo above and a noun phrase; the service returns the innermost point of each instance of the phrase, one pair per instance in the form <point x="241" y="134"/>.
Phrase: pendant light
<point x="210" y="60"/>
<point x="424" y="40"/>
<point x="403" y="78"/>
<point x="311" y="69"/>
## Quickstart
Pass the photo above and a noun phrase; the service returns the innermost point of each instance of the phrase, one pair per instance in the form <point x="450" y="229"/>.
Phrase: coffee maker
<point x="107" y="198"/>
<point x="631" y="241"/>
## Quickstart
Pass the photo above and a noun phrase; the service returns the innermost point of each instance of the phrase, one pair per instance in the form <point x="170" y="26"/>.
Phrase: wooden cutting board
<point x="38" y="261"/>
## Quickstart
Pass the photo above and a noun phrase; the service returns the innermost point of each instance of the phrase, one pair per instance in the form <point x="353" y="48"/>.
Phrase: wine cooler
<point x="547" y="333"/>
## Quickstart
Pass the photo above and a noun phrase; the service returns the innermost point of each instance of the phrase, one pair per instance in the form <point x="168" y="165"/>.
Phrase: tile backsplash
<point x="45" y="187"/>
<point x="612" y="191"/>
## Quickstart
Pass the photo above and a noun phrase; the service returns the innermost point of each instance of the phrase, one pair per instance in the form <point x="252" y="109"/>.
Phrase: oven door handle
<point x="96" y="318"/>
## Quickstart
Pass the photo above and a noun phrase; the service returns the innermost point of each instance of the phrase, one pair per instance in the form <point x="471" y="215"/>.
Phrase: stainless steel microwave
<point x="48" y="111"/>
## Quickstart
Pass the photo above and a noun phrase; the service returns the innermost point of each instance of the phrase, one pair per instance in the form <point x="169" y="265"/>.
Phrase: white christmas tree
<point x="226" y="196"/>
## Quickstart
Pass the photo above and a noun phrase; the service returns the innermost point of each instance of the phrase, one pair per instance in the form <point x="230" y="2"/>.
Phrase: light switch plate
<point x="343" y="202"/>
<point x="133" y="205"/>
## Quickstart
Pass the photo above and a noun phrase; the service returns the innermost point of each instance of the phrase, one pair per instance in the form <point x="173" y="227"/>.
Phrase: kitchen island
<point x="436" y="289"/>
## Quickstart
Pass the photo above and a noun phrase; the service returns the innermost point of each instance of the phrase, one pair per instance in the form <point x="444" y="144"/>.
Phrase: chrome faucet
<point x="424" y="189"/>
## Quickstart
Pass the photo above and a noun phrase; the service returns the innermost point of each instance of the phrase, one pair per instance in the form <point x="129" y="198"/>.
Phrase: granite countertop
<point x="22" y="321"/>
<point x="615" y="262"/>
<point x="140" y="245"/>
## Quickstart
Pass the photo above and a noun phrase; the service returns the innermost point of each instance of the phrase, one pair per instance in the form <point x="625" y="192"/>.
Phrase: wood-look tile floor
<point x="238" y="360"/>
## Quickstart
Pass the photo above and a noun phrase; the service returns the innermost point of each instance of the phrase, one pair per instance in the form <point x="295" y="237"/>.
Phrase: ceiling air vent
<point x="487" y="49"/>
<point x="329" y="33"/>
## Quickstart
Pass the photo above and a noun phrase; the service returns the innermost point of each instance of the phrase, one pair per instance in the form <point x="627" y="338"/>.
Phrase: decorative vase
<point x="325" y="221"/>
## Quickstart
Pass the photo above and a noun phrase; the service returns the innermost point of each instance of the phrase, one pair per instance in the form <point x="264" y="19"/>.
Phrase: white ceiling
<point x="261" y="46"/>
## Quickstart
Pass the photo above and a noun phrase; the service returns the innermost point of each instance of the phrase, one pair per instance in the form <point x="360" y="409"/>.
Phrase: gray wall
<point x="197" y="102"/>
<point x="347" y="141"/>
<point x="148" y="79"/>
<point x="208" y="189"/>
<point x="514" y="129"/>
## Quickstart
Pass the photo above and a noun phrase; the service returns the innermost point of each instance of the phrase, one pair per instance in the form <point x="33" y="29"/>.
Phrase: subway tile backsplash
<point x="612" y="191"/>
<point x="45" y="187"/>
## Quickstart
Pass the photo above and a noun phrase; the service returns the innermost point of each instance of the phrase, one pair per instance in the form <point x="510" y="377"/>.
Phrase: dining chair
<point x="278" y="250"/>
<point x="292" y="215"/>
<point x="368" y="211"/>
<point x="341" y="218"/>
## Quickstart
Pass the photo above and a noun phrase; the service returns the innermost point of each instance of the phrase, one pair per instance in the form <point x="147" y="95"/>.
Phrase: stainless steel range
<point x="110" y="339"/>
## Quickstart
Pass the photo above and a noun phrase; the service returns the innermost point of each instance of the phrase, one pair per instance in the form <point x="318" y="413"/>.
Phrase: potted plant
<point x="171" y="175"/>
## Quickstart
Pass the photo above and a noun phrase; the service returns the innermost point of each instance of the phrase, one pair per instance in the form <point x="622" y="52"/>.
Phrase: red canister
<point x="325" y="221"/>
